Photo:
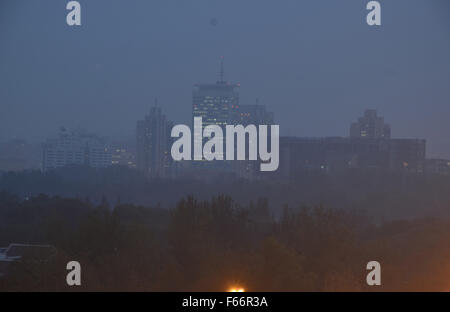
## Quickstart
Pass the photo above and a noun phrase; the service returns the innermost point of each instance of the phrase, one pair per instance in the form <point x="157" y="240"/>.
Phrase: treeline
<point x="211" y="245"/>
<point x="385" y="195"/>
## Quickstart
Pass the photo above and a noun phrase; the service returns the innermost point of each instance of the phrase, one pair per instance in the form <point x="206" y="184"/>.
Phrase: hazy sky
<point x="315" y="63"/>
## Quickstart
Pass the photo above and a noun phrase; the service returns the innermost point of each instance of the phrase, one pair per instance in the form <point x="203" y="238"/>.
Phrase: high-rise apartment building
<point x="153" y="144"/>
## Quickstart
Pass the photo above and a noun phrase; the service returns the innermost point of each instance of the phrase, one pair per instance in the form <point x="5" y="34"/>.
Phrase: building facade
<point x="153" y="143"/>
<point x="75" y="148"/>
<point x="370" y="126"/>
<point x="338" y="154"/>
<point x="216" y="102"/>
<point x="250" y="114"/>
<point x="254" y="114"/>
<point x="123" y="155"/>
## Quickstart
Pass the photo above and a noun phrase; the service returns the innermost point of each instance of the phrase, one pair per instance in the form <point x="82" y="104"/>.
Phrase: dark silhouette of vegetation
<point x="210" y="245"/>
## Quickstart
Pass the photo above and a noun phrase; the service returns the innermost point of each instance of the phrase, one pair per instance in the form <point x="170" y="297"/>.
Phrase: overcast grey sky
<point x="315" y="63"/>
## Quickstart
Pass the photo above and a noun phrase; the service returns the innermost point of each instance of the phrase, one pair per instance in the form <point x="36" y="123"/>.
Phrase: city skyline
<point x="315" y="84"/>
<point x="209" y="147"/>
<point x="198" y="86"/>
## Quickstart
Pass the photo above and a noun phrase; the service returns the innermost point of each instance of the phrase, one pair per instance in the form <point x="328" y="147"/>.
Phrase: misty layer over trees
<point x="211" y="245"/>
<point x="381" y="195"/>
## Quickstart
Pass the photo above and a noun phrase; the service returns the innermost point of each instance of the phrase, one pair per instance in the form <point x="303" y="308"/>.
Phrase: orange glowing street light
<point x="236" y="289"/>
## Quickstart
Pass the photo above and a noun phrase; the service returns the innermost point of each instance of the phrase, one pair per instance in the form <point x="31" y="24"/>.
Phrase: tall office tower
<point x="215" y="102"/>
<point x="75" y="148"/>
<point x="153" y="144"/>
<point x="370" y="126"/>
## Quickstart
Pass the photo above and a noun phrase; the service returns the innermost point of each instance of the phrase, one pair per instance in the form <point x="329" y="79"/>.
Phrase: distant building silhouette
<point x="253" y="114"/>
<point x="250" y="114"/>
<point x="369" y="147"/>
<point x="370" y="126"/>
<point x="338" y="154"/>
<point x="437" y="166"/>
<point x="75" y="148"/>
<point x="153" y="144"/>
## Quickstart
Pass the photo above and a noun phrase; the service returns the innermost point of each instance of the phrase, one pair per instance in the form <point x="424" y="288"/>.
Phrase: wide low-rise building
<point x="337" y="154"/>
<point x="369" y="147"/>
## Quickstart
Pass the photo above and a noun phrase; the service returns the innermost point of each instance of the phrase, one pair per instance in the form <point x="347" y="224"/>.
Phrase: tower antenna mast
<point x="221" y="70"/>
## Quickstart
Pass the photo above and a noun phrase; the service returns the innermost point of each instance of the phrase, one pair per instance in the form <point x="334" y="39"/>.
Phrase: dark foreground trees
<point x="213" y="245"/>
